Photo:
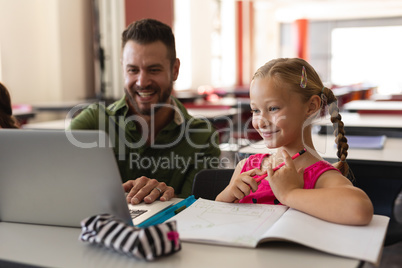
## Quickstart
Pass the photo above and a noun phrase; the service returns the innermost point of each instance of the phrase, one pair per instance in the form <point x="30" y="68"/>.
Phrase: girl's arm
<point x="240" y="184"/>
<point x="334" y="198"/>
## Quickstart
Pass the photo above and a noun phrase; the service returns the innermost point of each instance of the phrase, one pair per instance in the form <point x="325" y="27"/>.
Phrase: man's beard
<point x="162" y="99"/>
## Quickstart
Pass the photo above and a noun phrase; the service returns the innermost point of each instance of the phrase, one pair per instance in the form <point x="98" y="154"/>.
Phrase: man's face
<point x="148" y="76"/>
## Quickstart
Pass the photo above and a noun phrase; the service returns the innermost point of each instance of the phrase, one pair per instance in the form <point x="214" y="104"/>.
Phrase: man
<point x="159" y="147"/>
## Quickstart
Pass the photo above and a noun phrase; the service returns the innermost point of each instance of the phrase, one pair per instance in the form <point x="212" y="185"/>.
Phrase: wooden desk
<point x="211" y="113"/>
<point x="368" y="120"/>
<point x="324" y="144"/>
<point x="376" y="107"/>
<point x="47" y="246"/>
<point x="353" y="92"/>
<point x="55" y="124"/>
<point x="23" y="113"/>
<point x="365" y="124"/>
<point x="61" y="106"/>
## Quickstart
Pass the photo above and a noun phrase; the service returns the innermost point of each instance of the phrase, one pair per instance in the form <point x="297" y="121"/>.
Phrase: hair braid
<point x="339" y="133"/>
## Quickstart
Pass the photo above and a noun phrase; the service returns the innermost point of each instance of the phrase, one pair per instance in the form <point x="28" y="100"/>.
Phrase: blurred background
<point x="55" y="52"/>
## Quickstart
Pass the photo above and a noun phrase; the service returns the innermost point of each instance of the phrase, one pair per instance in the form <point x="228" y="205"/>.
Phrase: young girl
<point x="286" y="95"/>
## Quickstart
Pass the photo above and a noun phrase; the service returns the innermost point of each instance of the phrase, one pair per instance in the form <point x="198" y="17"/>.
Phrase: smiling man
<point x="158" y="146"/>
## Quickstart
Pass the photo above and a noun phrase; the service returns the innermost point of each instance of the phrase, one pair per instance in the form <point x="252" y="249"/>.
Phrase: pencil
<point x="260" y="178"/>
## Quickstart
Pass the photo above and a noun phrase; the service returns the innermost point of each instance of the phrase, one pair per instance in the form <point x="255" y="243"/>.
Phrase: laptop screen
<point x="57" y="177"/>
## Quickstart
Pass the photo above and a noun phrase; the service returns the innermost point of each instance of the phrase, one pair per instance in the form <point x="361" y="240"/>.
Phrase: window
<point x="205" y="43"/>
<point x="368" y="55"/>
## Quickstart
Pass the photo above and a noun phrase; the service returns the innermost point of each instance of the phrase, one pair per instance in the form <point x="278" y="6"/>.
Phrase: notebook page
<point x="213" y="222"/>
<point x="359" y="242"/>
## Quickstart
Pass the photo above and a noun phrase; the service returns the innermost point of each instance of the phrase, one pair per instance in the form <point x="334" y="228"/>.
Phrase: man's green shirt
<point x="182" y="148"/>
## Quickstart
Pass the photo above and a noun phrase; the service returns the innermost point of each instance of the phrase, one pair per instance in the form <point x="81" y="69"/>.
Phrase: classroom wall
<point x="46" y="50"/>
<point x="161" y="10"/>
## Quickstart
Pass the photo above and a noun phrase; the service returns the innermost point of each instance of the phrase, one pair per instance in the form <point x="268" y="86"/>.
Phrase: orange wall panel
<point x="302" y="38"/>
<point x="161" y="10"/>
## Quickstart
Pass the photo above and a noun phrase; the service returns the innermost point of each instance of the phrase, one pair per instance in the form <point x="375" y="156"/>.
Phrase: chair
<point x="208" y="183"/>
<point x="382" y="182"/>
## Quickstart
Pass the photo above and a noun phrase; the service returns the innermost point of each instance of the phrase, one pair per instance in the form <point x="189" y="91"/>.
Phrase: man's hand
<point x="147" y="190"/>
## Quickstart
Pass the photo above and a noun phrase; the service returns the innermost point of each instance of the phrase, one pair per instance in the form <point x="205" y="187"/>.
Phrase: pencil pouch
<point x="142" y="243"/>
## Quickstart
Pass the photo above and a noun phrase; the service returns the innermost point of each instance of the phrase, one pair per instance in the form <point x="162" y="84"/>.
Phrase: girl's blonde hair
<point x="303" y="79"/>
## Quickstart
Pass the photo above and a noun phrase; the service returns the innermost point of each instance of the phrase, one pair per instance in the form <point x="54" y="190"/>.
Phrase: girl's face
<point x="278" y="113"/>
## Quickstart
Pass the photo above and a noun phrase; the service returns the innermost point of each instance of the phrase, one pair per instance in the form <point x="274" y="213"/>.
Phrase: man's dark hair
<point x="147" y="31"/>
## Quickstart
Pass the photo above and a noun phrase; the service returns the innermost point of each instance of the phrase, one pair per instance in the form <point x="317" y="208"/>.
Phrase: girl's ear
<point x="313" y="105"/>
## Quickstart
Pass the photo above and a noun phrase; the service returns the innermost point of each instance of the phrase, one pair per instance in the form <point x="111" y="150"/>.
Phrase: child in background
<point x="6" y="118"/>
<point x="286" y="95"/>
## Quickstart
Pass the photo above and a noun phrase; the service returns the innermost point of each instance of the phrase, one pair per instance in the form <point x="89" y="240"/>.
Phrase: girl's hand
<point x="240" y="186"/>
<point x="286" y="179"/>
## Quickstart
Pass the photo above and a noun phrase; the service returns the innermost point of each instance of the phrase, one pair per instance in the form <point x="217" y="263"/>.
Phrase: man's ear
<point x="175" y="70"/>
<point x="313" y="105"/>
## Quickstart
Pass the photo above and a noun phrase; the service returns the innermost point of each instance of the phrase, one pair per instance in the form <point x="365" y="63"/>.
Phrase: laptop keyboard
<point x="134" y="213"/>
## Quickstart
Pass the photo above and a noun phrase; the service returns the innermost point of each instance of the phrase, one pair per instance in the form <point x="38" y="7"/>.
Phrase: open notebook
<point x="248" y="225"/>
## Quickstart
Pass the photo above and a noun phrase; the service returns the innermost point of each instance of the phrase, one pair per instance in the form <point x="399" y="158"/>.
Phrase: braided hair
<point x="6" y="118"/>
<point x="304" y="80"/>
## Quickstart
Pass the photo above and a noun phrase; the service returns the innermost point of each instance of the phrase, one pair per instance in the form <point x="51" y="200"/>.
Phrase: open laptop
<point x="56" y="177"/>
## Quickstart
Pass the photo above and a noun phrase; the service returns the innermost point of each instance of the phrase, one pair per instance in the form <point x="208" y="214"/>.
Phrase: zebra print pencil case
<point x="142" y="243"/>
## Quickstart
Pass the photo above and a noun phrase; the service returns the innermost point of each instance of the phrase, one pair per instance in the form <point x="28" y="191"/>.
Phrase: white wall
<point x="46" y="49"/>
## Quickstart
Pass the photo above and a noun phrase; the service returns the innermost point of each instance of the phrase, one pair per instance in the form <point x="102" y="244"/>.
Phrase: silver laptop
<point x="58" y="178"/>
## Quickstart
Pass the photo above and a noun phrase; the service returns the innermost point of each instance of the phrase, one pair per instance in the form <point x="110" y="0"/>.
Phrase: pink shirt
<point x="264" y="193"/>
